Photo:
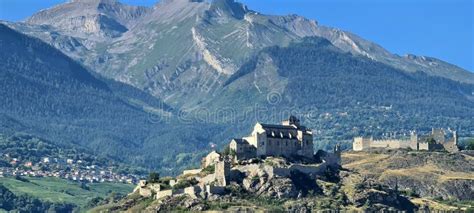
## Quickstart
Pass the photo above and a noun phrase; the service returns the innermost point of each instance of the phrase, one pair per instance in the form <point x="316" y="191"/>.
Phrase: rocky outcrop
<point x="182" y="202"/>
<point x="101" y="18"/>
<point x="361" y="192"/>
<point x="421" y="174"/>
<point x="427" y="186"/>
<point x="270" y="187"/>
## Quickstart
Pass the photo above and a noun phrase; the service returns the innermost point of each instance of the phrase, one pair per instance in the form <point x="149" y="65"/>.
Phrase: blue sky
<point x="438" y="28"/>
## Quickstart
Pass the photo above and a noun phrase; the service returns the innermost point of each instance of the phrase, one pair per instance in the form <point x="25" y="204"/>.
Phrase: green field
<point x="63" y="191"/>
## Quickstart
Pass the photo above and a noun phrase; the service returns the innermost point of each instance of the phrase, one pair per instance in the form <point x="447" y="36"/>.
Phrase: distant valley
<point x="157" y="87"/>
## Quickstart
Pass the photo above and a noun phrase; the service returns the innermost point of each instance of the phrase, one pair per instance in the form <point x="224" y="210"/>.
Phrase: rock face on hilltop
<point x="424" y="174"/>
<point x="358" y="186"/>
<point x="259" y="188"/>
<point x="86" y="18"/>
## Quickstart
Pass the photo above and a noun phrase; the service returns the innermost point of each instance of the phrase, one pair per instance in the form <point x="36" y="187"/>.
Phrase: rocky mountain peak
<point x="178" y="1"/>
<point x="98" y="18"/>
<point x="229" y="7"/>
<point x="95" y="1"/>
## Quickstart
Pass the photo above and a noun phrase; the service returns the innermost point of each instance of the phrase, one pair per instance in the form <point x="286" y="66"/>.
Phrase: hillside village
<point x="68" y="169"/>
<point x="24" y="155"/>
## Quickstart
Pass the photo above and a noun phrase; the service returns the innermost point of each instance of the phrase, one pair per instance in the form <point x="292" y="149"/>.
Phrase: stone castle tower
<point x="222" y="172"/>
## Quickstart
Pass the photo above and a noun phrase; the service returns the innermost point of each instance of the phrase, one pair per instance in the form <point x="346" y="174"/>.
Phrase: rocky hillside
<point x="426" y="174"/>
<point x="91" y="19"/>
<point x="424" y="181"/>
<point x="184" y="50"/>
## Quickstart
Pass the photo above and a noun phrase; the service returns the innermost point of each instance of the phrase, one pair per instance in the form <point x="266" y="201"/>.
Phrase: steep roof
<point x="282" y="127"/>
<point x="277" y="126"/>
<point x="240" y="141"/>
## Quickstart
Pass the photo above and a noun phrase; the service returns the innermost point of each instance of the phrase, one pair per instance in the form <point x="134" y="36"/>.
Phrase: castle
<point x="283" y="150"/>
<point x="285" y="140"/>
<point x="436" y="140"/>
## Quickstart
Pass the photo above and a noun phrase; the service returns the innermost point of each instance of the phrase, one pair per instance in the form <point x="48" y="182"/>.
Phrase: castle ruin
<point x="436" y="140"/>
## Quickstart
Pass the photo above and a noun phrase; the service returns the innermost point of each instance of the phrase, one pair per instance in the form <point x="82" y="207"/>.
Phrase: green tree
<point x="431" y="140"/>
<point x="153" y="177"/>
<point x="470" y="144"/>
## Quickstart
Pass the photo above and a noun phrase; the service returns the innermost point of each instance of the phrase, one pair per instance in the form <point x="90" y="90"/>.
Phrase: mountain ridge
<point x="254" y="32"/>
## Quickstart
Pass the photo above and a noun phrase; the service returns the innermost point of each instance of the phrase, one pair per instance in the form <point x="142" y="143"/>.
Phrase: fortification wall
<point x="192" y="191"/>
<point x="191" y="172"/>
<point x="391" y="144"/>
<point x="164" y="193"/>
<point x="211" y="190"/>
<point x="423" y="146"/>
<point x="307" y="169"/>
<point x="361" y="143"/>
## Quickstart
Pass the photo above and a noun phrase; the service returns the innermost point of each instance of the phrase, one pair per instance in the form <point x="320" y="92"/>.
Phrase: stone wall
<point x="423" y="146"/>
<point x="210" y="159"/>
<point x="451" y="147"/>
<point x="192" y="172"/>
<point x="192" y="191"/>
<point x="145" y="192"/>
<point x="243" y="151"/>
<point x="281" y="146"/>
<point x="215" y="190"/>
<point x="415" y="142"/>
<point x="222" y="173"/>
<point x="164" y="193"/>
<point x="361" y="143"/>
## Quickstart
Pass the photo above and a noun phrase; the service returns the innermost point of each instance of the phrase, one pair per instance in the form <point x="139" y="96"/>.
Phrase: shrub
<point x="185" y="183"/>
<point x="410" y="193"/>
<point x="470" y="144"/>
<point x="153" y="177"/>
<point x="209" y="169"/>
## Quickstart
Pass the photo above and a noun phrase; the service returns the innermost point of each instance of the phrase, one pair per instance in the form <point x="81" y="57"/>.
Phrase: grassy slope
<point x="382" y="166"/>
<point x="62" y="191"/>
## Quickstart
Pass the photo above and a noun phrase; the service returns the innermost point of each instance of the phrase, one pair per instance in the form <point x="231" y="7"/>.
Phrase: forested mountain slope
<point x="47" y="94"/>
<point x="342" y="95"/>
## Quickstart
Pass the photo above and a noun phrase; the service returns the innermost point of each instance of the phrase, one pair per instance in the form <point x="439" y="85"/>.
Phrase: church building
<point x="288" y="139"/>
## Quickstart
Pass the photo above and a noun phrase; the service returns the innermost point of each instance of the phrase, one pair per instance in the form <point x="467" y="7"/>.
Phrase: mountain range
<point x="93" y="73"/>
